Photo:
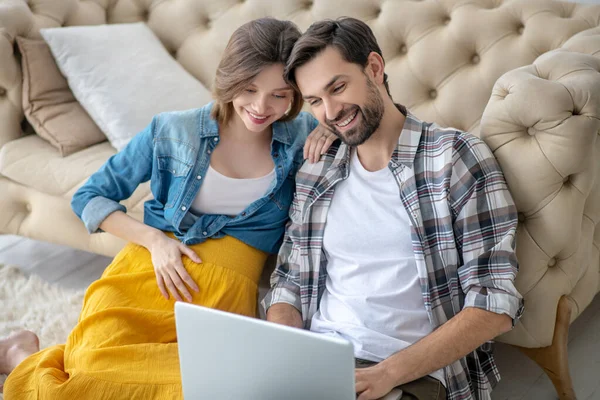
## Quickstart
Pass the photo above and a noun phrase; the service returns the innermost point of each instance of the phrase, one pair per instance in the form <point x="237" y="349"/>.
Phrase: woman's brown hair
<point x="253" y="46"/>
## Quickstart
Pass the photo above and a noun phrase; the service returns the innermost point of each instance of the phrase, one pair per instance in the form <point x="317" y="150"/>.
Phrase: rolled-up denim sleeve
<point x="116" y="180"/>
<point x="485" y="226"/>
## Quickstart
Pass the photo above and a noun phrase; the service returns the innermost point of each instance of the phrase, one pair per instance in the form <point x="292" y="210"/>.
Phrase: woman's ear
<point x="376" y="67"/>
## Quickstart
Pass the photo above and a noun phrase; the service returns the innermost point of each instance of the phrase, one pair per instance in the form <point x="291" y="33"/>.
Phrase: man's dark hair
<point x="350" y="36"/>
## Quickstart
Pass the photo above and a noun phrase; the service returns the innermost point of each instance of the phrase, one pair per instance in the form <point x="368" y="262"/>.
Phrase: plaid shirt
<point x="463" y="226"/>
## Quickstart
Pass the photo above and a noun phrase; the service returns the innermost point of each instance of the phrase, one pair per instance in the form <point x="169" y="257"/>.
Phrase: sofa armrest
<point x="543" y="124"/>
<point x="587" y="42"/>
<point x="15" y="19"/>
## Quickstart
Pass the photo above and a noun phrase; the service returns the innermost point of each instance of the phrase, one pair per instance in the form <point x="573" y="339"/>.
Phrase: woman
<point x="222" y="179"/>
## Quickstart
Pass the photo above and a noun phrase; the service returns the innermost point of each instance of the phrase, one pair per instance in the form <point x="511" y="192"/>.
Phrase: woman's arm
<point x="130" y="229"/>
<point x="97" y="203"/>
<point x="116" y="180"/>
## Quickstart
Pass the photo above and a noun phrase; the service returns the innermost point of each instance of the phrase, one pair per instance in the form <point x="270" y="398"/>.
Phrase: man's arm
<point x="282" y="303"/>
<point x="285" y="314"/>
<point x="455" y="339"/>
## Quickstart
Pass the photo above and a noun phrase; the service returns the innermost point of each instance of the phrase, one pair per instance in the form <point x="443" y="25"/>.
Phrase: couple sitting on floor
<point x="399" y="236"/>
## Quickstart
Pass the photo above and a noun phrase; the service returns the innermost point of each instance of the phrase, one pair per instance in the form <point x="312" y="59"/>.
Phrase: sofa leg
<point x="554" y="358"/>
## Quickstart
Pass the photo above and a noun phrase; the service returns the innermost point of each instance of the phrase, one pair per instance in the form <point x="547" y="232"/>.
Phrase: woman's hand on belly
<point x="171" y="275"/>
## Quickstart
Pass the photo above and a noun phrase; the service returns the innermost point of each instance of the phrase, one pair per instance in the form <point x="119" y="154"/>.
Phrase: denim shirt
<point x="174" y="153"/>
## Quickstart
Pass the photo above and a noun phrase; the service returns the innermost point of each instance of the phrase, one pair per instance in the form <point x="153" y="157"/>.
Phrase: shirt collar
<point x="408" y="142"/>
<point x="210" y="128"/>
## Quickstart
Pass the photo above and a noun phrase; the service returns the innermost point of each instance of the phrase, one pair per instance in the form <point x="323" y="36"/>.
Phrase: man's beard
<point x="371" y="115"/>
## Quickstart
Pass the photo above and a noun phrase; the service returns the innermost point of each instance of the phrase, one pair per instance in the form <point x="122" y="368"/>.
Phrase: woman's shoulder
<point x="301" y="126"/>
<point x="179" y="124"/>
<point x="305" y="119"/>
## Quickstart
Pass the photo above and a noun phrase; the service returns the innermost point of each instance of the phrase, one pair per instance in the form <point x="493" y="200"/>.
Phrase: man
<point x="401" y="238"/>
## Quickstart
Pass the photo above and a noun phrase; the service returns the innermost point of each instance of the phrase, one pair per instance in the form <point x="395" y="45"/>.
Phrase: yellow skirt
<point x="125" y="345"/>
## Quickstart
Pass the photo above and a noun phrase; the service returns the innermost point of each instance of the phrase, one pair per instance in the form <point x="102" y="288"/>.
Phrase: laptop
<point x="227" y="356"/>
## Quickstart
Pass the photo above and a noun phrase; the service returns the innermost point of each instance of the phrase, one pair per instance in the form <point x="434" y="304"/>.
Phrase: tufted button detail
<point x="566" y="179"/>
<point x="403" y="49"/>
<point x="2" y="91"/>
<point x="520" y="29"/>
<point x="475" y="59"/>
<point x="308" y="4"/>
<point x="205" y="21"/>
<point x="28" y="207"/>
<point x="552" y="262"/>
<point x="521" y="217"/>
<point x="433" y="94"/>
<point x="599" y="132"/>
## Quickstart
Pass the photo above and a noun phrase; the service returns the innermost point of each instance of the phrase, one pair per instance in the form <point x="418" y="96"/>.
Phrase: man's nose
<point x="332" y="109"/>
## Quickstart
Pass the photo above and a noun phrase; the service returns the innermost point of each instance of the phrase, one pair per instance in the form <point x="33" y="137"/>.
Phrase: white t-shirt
<point x="373" y="296"/>
<point x="222" y="195"/>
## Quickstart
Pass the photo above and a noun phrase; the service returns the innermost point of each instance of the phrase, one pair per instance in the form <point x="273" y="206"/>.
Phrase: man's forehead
<point x="330" y="57"/>
<point x="321" y="70"/>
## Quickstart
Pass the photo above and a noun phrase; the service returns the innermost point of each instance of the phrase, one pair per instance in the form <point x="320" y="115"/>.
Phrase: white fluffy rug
<point x="28" y="302"/>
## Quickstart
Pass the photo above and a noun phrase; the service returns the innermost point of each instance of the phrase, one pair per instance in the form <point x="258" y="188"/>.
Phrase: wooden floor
<point x="521" y="378"/>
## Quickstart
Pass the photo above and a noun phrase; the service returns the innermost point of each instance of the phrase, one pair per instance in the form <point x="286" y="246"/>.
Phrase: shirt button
<point x="208" y="151"/>
<point x="216" y="139"/>
<point x="275" y="155"/>
<point x="199" y="177"/>
<point x="205" y="233"/>
<point x="243" y="214"/>
<point x="183" y="208"/>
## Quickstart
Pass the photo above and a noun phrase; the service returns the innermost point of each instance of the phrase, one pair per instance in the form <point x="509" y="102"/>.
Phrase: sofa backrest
<point x="443" y="56"/>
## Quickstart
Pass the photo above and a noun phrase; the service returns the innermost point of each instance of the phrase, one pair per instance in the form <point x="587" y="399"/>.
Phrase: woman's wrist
<point x="152" y="237"/>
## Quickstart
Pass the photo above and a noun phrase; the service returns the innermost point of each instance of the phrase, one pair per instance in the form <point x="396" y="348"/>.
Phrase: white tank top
<point x="222" y="195"/>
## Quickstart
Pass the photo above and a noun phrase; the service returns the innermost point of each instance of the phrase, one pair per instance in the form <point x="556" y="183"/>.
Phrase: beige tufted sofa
<point x="521" y="74"/>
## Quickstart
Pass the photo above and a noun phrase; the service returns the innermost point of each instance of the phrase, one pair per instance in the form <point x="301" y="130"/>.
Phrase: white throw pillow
<point x="123" y="76"/>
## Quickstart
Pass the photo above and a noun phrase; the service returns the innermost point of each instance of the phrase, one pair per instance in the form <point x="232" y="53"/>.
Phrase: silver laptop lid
<point x="228" y="356"/>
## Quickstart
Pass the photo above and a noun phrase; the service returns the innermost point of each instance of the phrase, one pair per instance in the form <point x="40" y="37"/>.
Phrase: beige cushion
<point x="33" y="162"/>
<point x="49" y="104"/>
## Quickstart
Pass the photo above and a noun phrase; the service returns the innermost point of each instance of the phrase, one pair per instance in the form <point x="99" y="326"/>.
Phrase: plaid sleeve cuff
<point x="282" y="294"/>
<point x="496" y="301"/>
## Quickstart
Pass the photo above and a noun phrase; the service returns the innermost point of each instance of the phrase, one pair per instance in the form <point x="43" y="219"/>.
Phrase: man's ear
<point x="375" y="67"/>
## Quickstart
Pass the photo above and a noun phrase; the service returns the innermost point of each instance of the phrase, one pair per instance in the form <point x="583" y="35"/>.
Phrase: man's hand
<point x="285" y="314"/>
<point x="373" y="382"/>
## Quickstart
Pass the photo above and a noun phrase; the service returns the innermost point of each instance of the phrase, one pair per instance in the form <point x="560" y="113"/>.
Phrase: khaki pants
<point x="426" y="388"/>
